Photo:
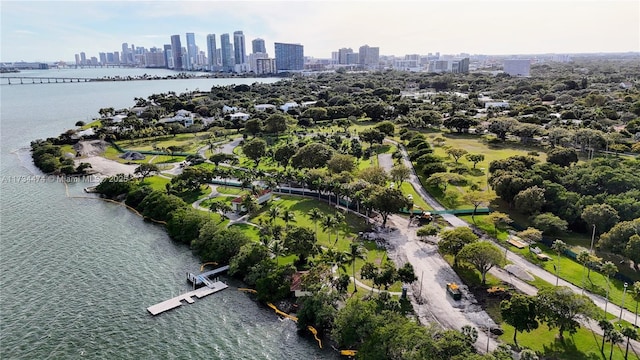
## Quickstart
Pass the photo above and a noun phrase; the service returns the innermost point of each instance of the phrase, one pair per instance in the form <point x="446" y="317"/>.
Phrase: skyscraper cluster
<point x="225" y="56"/>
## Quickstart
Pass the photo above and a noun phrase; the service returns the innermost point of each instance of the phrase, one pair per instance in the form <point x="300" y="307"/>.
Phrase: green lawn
<point x="157" y="182"/>
<point x="482" y="222"/>
<point x="584" y="344"/>
<point x="408" y="189"/>
<point x="190" y="142"/>
<point x="251" y="231"/>
<point x="301" y="206"/>
<point x="478" y="175"/>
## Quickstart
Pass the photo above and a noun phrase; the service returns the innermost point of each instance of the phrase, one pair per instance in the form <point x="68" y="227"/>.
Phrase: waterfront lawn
<point x="584" y="344"/>
<point x="156" y="182"/>
<point x="230" y="190"/>
<point x="253" y="232"/>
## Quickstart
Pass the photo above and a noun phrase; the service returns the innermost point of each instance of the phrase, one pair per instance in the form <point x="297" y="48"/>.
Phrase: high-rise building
<point x="517" y="67"/>
<point x="239" y="48"/>
<point x="253" y="57"/>
<point x="168" y="60"/>
<point x="369" y="56"/>
<point x="116" y="57"/>
<point x="342" y="55"/>
<point x="192" y="52"/>
<point x="154" y="58"/>
<point x="265" y="66"/>
<point x="212" y="58"/>
<point x="289" y="56"/>
<point x="176" y="52"/>
<point x="257" y="46"/>
<point x="460" y="66"/>
<point x="83" y="58"/>
<point x="226" y="50"/>
<point x="77" y="59"/>
<point x="103" y="58"/>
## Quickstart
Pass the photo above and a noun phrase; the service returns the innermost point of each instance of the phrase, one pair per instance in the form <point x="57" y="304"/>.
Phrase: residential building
<point x="265" y="66"/>
<point x="212" y="56"/>
<point x="239" y="47"/>
<point x="517" y="67"/>
<point x="103" y="58"/>
<point x="289" y="57"/>
<point x="226" y="50"/>
<point x="460" y="66"/>
<point x="253" y="60"/>
<point x="192" y="52"/>
<point x="168" y="59"/>
<point x="258" y="46"/>
<point x="124" y="56"/>
<point x="343" y="55"/>
<point x="369" y="57"/>
<point x="83" y="58"/>
<point x="154" y="58"/>
<point x="176" y="52"/>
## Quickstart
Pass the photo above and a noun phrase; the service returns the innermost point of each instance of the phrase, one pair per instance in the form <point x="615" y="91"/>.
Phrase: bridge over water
<point x="44" y="80"/>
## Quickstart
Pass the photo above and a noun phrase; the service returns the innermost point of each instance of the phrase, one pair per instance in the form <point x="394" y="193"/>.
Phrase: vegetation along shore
<point x="400" y="215"/>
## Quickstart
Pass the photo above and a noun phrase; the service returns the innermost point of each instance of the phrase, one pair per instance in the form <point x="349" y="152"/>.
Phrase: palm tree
<point x="288" y="216"/>
<point x="630" y="333"/>
<point x="608" y="268"/>
<point x="315" y="215"/>
<point x="583" y="258"/>
<point x="339" y="221"/>
<point x="274" y="213"/>
<point x="328" y="224"/>
<point x="335" y="258"/>
<point x="277" y="248"/>
<point x="606" y="327"/>
<point x="615" y="337"/>
<point x="559" y="246"/>
<point x="355" y="252"/>
<point x="250" y="204"/>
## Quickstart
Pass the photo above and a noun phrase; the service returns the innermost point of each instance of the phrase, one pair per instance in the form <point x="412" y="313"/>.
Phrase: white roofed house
<point x="229" y="109"/>
<point x="264" y="107"/>
<point x="183" y="117"/>
<point x="289" y="105"/>
<point x="239" y="116"/>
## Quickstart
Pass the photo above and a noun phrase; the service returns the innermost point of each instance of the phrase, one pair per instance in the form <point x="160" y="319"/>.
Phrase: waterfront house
<point x="239" y="116"/>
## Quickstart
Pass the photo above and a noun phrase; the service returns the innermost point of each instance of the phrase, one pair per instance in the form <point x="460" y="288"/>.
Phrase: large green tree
<point x="255" y="149"/>
<point x="559" y="307"/>
<point x="453" y="240"/>
<point x="314" y="155"/>
<point x="483" y="255"/>
<point x="520" y="311"/>
<point x="387" y="201"/>
<point x="302" y="242"/>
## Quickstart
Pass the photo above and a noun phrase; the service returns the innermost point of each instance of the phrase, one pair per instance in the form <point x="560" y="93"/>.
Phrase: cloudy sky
<point x="56" y="30"/>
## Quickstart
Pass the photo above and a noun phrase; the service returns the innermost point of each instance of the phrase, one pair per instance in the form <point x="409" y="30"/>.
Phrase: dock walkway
<point x="188" y="297"/>
<point x="198" y="279"/>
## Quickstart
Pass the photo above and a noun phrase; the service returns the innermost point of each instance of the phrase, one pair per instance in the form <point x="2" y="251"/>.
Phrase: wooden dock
<point x="188" y="297"/>
<point x="202" y="279"/>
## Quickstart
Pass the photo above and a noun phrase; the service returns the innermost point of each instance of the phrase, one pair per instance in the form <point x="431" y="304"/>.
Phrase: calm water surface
<point x="78" y="274"/>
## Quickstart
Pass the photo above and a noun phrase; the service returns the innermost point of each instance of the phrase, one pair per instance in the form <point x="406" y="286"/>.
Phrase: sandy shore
<point x="106" y="167"/>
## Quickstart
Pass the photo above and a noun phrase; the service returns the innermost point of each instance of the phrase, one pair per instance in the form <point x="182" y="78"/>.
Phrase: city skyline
<point x="29" y="31"/>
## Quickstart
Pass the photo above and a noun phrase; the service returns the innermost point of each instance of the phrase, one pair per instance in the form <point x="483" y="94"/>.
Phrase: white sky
<point x="56" y="30"/>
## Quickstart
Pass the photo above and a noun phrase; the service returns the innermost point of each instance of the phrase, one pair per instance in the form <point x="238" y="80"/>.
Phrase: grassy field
<point x="190" y="142"/>
<point x="408" y="189"/>
<point x="477" y="176"/>
<point x="584" y="344"/>
<point x="157" y="182"/>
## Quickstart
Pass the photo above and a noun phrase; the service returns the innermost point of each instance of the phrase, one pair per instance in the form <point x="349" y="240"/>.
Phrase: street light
<point x="622" y="304"/>
<point x="593" y="236"/>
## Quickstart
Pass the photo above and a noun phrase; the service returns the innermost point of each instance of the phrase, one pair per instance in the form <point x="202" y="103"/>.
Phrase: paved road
<point x="511" y="257"/>
<point x="429" y="296"/>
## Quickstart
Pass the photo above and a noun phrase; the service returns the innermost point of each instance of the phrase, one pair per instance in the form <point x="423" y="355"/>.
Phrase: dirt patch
<point x="91" y="147"/>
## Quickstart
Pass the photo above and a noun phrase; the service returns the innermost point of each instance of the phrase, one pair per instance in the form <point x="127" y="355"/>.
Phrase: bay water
<point x="76" y="275"/>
